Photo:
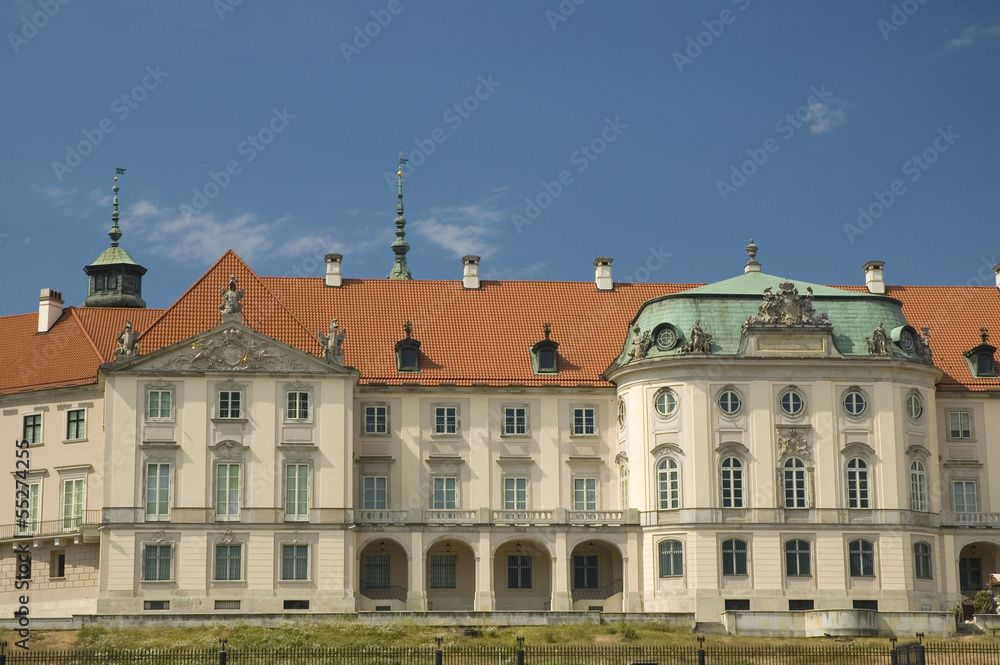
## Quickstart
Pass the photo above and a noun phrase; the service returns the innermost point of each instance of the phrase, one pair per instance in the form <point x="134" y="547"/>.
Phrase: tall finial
<point x="399" y="245"/>
<point x="984" y="333"/>
<point x="115" y="233"/>
<point x="752" y="265"/>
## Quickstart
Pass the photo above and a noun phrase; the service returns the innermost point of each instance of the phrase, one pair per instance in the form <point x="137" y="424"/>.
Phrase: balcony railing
<point x="50" y="528"/>
<point x="451" y="516"/>
<point x="539" y="517"/>
<point x="383" y="516"/>
<point x="973" y="519"/>
<point x="597" y="517"/>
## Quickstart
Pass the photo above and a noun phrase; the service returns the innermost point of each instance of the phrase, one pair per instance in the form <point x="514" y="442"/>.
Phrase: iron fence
<point x="941" y="653"/>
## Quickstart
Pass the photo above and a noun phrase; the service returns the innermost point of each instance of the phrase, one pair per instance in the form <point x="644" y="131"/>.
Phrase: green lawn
<point x="401" y="633"/>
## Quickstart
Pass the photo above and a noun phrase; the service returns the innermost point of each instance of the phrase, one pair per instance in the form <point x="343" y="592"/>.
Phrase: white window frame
<point x="510" y="415"/>
<point x="446" y="420"/>
<point x="963" y="505"/>
<point x="148" y="405"/>
<point x="375" y="429"/>
<point x="374" y="478"/>
<point x="158" y="501"/>
<point x="228" y="515"/>
<point x="671" y="554"/>
<point x="919" y="500"/>
<point x="662" y="405"/>
<point x="581" y="422"/>
<point x="41" y="428"/>
<point x="858" y="483"/>
<point x="724" y="402"/>
<point x="794" y="477"/>
<point x="732" y="482"/>
<point x="792" y="393"/>
<point x="668" y="484"/>
<point x="81" y="424"/>
<point x="228" y="410"/>
<point x="34" y="489"/>
<point x="297" y="498"/>
<point x="586" y="494"/>
<point x="513" y="486"/>
<point x="78" y="507"/>
<point x="964" y="429"/>
<point x="440" y="491"/>
<point x="294" y="405"/>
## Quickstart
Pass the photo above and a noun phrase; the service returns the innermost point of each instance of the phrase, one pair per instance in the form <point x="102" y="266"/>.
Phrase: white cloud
<point x="971" y="34"/>
<point x="462" y="230"/>
<point x="824" y="117"/>
<point x="54" y="195"/>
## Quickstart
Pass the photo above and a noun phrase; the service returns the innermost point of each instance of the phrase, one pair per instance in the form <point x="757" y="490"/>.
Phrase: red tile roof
<point x="468" y="337"/>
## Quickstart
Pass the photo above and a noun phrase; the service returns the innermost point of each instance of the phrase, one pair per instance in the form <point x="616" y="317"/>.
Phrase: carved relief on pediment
<point x="231" y="349"/>
<point x="792" y="442"/>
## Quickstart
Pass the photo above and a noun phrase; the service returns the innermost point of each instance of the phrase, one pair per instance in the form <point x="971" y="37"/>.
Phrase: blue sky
<point x="540" y="135"/>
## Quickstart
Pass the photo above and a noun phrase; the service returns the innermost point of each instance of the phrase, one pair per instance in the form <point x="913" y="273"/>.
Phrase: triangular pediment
<point x="231" y="348"/>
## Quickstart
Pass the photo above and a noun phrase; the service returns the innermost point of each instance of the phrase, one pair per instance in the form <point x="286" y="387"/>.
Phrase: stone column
<point x="484" y="574"/>
<point x="562" y="599"/>
<point x="416" y="597"/>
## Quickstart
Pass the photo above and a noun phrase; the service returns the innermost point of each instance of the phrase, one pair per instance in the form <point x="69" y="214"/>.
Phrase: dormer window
<point x="408" y="351"/>
<point x="543" y="354"/>
<point x="981" y="360"/>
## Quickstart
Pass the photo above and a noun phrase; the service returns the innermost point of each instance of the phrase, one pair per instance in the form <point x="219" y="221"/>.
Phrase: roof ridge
<point x="280" y="302"/>
<point x="191" y="288"/>
<point x="86" y="333"/>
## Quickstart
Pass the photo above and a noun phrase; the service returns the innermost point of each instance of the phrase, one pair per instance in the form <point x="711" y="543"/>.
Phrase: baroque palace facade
<point x="272" y="445"/>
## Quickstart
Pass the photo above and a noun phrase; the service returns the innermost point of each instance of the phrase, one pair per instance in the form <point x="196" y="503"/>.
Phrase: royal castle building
<point x="322" y="444"/>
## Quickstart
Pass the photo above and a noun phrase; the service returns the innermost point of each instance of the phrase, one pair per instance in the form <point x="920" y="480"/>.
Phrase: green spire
<point x="115" y="233"/>
<point x="399" y="245"/>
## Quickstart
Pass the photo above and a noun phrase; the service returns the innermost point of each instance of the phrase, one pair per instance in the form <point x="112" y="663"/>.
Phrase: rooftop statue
<point x="128" y="342"/>
<point x="231" y="298"/>
<point x="331" y="343"/>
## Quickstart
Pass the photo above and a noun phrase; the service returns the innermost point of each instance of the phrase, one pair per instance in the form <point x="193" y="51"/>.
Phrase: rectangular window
<point x="442" y="571"/>
<point x="797" y="558"/>
<point x="228" y="562"/>
<point x="376" y="571"/>
<point x="585" y="494"/>
<point x="227" y="492"/>
<point x="515" y="493"/>
<point x="585" y="571"/>
<point x="737" y="605"/>
<point x="801" y="605"/>
<point x="76" y="424"/>
<point x="296" y="491"/>
<point x="374" y="492"/>
<point x="964" y="492"/>
<point x="515" y="420"/>
<point x="518" y="571"/>
<point x="298" y="406"/>
<point x="156" y="564"/>
<point x="230" y="404"/>
<point x="72" y="507"/>
<point x="157" y="491"/>
<point x="734" y="557"/>
<point x="446" y="420"/>
<point x="294" y="562"/>
<point x="32" y="428"/>
<point x="33" y="503"/>
<point x="862" y="558"/>
<point x="584" y="421"/>
<point x="159" y="404"/>
<point x="959" y="424"/>
<point x="376" y="420"/>
<point x="445" y="493"/>
<point x="922" y="561"/>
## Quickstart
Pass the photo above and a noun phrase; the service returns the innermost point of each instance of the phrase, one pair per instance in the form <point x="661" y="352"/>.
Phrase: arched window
<point x="669" y="484"/>
<point x="797" y="558"/>
<point x="862" y="558"/>
<point x="858" y="494"/>
<point x="795" y="483"/>
<point x="922" y="561"/>
<point x="671" y="558"/>
<point x="732" y="482"/>
<point x="918" y="486"/>
<point x="734" y="557"/>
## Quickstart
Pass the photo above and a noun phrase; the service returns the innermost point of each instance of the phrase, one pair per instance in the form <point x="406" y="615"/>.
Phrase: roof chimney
<point x="873" y="277"/>
<point x="470" y="272"/>
<point x="333" y="276"/>
<point x="50" y="307"/>
<point x="602" y="274"/>
<point x="996" y="270"/>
